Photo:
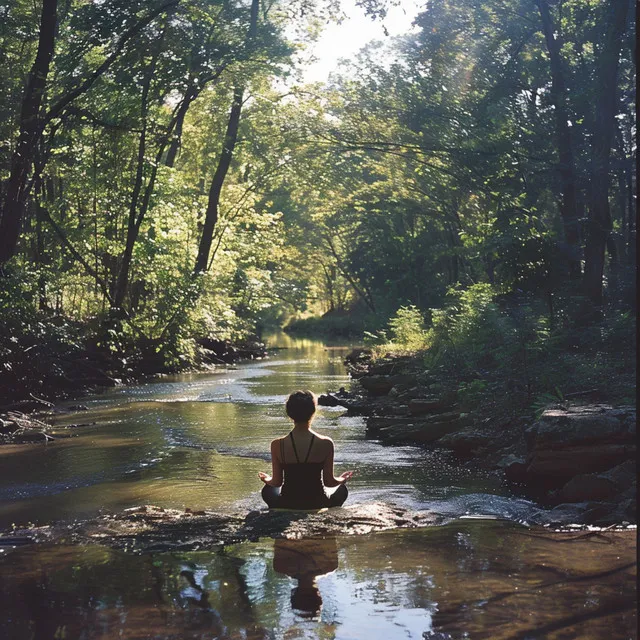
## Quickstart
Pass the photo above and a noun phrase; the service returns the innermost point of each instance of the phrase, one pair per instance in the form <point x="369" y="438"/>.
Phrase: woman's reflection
<point x="305" y="560"/>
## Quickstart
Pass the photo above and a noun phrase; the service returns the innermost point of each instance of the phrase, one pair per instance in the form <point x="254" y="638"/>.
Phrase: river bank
<point x="577" y="458"/>
<point x="31" y="389"/>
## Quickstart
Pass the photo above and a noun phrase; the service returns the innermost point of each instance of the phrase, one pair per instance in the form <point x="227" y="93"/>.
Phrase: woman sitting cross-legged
<point x="299" y="460"/>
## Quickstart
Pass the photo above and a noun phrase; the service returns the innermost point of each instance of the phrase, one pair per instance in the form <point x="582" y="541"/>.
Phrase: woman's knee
<point x="270" y="494"/>
<point x="339" y="496"/>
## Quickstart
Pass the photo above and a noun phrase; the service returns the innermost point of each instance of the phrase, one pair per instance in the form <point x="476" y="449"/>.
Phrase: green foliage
<point x="545" y="400"/>
<point x="470" y="393"/>
<point x="347" y="326"/>
<point x="422" y="181"/>
<point x="407" y="329"/>
<point x="470" y="330"/>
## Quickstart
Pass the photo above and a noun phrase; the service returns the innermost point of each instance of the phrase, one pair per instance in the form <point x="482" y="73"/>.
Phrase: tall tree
<point x="567" y="168"/>
<point x="599" y="224"/>
<point x="30" y="128"/>
<point x="226" y="155"/>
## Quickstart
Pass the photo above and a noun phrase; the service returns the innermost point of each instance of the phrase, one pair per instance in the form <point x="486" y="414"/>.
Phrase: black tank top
<point x="302" y="487"/>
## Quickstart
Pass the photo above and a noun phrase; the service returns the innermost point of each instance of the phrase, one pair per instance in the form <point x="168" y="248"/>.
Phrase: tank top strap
<point x="313" y="437"/>
<point x="293" y="442"/>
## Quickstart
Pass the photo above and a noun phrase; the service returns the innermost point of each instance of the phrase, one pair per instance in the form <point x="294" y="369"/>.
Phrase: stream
<point x="198" y="441"/>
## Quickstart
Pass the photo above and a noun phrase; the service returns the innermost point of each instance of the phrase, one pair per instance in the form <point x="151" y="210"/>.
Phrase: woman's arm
<point x="327" y="470"/>
<point x="276" y="468"/>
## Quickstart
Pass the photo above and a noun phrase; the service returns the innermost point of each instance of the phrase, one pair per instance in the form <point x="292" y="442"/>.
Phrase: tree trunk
<point x="14" y="202"/>
<point x="228" y="146"/>
<point x="176" y="136"/>
<point x="599" y="223"/>
<point x="568" y="206"/>
<point x="135" y="218"/>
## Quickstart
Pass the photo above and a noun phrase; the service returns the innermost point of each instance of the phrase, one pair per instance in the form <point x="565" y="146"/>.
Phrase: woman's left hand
<point x="347" y="475"/>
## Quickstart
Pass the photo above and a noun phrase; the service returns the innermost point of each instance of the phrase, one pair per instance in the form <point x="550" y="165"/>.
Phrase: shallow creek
<point x="198" y="441"/>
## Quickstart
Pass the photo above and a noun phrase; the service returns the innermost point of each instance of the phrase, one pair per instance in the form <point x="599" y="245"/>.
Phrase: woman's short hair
<point x="301" y="405"/>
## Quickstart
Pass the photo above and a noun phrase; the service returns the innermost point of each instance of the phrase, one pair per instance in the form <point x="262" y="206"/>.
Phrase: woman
<point x="299" y="459"/>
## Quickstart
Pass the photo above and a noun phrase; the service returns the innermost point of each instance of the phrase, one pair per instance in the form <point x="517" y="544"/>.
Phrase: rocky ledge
<point x="149" y="528"/>
<point x="578" y="459"/>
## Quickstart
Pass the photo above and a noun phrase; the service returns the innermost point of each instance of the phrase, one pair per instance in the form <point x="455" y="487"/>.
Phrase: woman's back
<point x="302" y="486"/>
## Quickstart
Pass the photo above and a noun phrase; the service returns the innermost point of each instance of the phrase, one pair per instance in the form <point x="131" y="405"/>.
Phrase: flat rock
<point x="421" y="406"/>
<point x="555" y="467"/>
<point x="589" y="424"/>
<point x="150" y="528"/>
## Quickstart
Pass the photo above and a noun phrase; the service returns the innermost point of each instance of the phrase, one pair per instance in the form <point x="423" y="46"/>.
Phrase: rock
<point x="377" y="385"/>
<point x="588" y="424"/>
<point x="555" y="467"/>
<point x="515" y="468"/>
<point x="563" y="514"/>
<point x="464" y="443"/>
<point x="623" y="476"/>
<point x="327" y="400"/>
<point x="421" y="406"/>
<point x="588" y="486"/>
<point x="151" y="528"/>
<point x="600" y="513"/>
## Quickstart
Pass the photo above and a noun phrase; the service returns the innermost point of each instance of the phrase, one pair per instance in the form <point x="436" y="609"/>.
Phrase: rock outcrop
<point x="149" y="528"/>
<point x="578" y="459"/>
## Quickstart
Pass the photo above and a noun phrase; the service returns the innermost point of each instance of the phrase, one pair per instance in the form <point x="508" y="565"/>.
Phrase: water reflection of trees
<point x="92" y="592"/>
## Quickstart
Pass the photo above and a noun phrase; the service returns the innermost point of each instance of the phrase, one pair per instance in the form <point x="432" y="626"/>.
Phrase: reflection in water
<point x="469" y="579"/>
<point x="305" y="560"/>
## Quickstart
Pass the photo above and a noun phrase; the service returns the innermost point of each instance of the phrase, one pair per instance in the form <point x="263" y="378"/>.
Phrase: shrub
<point x="407" y="329"/>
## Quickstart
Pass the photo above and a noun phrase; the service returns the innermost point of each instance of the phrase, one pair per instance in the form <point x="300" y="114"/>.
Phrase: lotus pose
<point x="299" y="460"/>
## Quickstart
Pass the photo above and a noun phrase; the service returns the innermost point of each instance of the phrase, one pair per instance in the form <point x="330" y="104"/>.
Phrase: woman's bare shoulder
<point x="325" y="439"/>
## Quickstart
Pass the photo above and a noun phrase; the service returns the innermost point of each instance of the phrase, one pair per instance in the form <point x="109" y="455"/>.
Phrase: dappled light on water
<point x="199" y="440"/>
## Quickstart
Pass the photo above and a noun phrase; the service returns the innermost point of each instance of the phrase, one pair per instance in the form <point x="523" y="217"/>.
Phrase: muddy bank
<point x="577" y="458"/>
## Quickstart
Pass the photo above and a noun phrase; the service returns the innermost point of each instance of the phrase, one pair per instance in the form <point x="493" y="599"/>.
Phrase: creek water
<point x="198" y="441"/>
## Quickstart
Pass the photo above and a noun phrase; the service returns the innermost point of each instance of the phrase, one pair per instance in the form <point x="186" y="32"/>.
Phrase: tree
<point x="599" y="224"/>
<point x="228" y="146"/>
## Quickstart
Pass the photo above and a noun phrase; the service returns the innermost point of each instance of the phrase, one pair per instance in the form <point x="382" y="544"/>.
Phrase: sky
<point x="346" y="39"/>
